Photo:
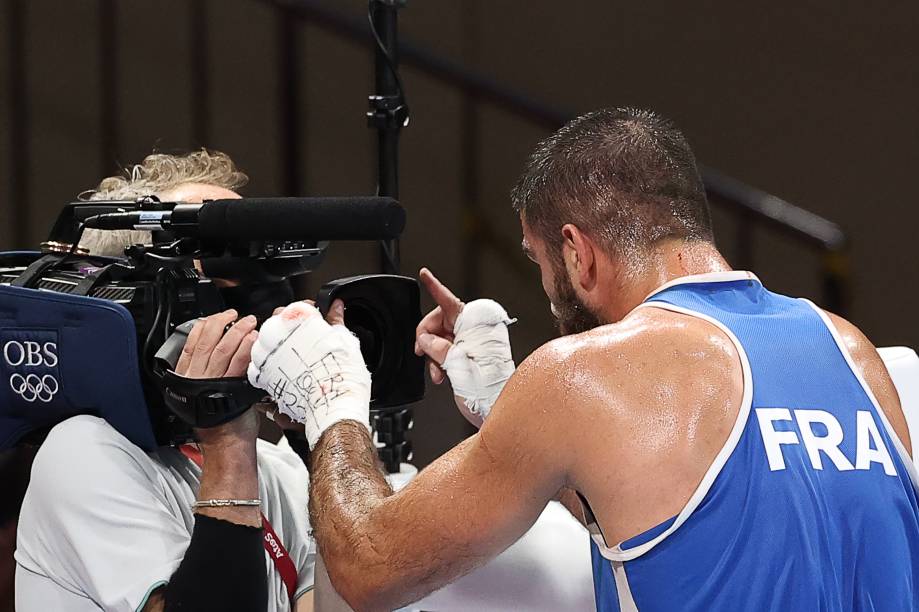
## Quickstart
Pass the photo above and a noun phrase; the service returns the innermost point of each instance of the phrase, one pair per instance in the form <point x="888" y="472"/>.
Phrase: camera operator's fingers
<point x="443" y="297"/>
<point x="189" y="349"/>
<point x="240" y="361"/>
<point x="207" y="340"/>
<point x="434" y="347"/>
<point x="229" y="346"/>
<point x="336" y="314"/>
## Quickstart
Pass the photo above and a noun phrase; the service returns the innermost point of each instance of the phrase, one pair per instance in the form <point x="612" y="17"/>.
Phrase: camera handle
<point x="388" y="114"/>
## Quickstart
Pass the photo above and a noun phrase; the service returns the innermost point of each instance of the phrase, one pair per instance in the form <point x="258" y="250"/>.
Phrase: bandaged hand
<point x="470" y="343"/>
<point x="312" y="369"/>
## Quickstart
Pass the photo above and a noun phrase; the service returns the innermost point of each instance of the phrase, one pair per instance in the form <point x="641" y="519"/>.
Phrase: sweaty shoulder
<point x="662" y="377"/>
<point x="656" y="395"/>
<point x="870" y="366"/>
<point x="651" y="353"/>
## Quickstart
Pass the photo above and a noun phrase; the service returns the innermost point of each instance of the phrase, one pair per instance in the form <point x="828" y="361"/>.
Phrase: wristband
<point x="223" y="503"/>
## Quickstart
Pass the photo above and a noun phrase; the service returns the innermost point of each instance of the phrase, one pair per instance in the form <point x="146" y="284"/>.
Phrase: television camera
<point x="101" y="335"/>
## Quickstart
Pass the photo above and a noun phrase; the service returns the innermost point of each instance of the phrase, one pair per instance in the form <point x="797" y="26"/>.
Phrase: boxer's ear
<point x="579" y="253"/>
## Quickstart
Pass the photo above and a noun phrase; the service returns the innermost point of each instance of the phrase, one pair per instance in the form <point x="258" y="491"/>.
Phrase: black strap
<point x="208" y="402"/>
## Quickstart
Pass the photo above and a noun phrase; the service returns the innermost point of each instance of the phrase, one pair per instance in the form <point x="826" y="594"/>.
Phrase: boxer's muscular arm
<point x="383" y="550"/>
<point x="872" y="368"/>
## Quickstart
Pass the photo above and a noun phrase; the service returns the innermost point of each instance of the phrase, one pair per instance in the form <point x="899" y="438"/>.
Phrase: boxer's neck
<point x="668" y="261"/>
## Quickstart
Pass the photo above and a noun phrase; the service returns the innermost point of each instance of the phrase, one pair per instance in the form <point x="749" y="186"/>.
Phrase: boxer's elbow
<point x="350" y="585"/>
<point x="361" y="580"/>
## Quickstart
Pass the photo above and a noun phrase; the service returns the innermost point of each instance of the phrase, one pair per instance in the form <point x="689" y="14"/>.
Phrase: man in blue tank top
<point x="730" y="448"/>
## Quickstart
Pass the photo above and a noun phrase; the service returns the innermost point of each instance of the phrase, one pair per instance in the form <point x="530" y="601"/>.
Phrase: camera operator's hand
<point x="312" y="368"/>
<point x="215" y="351"/>
<point x="211" y="352"/>
<point x="468" y="341"/>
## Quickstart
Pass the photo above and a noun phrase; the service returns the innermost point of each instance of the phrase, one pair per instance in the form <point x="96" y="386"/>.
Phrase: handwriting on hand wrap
<point x="312" y="387"/>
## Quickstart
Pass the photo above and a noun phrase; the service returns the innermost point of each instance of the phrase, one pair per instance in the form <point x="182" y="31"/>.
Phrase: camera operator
<point x="105" y="525"/>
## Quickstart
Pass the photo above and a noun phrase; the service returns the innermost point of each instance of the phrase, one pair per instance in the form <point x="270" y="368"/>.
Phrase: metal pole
<point x="388" y="113"/>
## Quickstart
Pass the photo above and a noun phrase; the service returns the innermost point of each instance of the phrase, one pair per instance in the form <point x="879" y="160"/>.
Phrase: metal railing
<point x="753" y="206"/>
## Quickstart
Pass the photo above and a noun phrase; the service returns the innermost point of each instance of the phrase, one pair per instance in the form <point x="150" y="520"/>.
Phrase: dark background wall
<point x="812" y="102"/>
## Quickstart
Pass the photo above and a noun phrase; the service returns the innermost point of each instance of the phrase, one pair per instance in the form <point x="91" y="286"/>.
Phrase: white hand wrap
<point x="480" y="361"/>
<point x="313" y="370"/>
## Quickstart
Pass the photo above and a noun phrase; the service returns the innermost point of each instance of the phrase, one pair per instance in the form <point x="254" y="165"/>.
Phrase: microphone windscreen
<point x="353" y="218"/>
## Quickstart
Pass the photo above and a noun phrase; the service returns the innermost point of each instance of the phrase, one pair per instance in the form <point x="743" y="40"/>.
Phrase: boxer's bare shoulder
<point x="872" y="368"/>
<point x="645" y="405"/>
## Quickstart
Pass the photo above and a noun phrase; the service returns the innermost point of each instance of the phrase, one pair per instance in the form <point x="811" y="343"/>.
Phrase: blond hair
<point x="157" y="174"/>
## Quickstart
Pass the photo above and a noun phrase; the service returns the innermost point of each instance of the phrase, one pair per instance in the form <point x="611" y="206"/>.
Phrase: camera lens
<point x="365" y="324"/>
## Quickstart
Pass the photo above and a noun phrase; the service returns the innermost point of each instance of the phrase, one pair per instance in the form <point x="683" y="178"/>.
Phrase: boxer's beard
<point x="571" y="314"/>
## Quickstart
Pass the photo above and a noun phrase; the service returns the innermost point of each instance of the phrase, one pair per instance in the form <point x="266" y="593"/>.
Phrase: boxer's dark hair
<point x="624" y="176"/>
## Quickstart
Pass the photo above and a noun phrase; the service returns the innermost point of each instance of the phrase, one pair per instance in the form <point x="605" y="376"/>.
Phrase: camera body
<point x="138" y="303"/>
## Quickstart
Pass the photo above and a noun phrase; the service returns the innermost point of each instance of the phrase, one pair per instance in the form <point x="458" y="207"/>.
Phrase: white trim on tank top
<point x="898" y="443"/>
<point x="726" y="276"/>
<point x="617" y="553"/>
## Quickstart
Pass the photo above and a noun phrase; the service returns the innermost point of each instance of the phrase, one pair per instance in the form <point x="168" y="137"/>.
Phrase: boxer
<point x="731" y="448"/>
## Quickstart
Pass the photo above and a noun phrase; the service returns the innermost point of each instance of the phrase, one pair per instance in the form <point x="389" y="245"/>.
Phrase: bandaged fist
<point x="312" y="369"/>
<point x="470" y="343"/>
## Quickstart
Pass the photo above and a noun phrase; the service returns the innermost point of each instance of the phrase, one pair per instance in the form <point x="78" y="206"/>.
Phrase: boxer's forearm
<point x="346" y="483"/>
<point x="383" y="551"/>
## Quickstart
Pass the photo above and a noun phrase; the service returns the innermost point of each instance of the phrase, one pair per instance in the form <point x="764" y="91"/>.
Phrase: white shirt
<point x="104" y="523"/>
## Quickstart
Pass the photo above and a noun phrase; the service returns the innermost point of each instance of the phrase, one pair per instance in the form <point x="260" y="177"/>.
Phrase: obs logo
<point x="28" y="354"/>
<point x="31" y="387"/>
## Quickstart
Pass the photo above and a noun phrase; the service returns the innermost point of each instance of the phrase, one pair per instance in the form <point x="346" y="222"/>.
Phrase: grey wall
<point x="810" y="102"/>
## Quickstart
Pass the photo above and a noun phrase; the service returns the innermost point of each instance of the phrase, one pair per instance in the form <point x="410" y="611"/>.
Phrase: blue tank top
<point x="811" y="503"/>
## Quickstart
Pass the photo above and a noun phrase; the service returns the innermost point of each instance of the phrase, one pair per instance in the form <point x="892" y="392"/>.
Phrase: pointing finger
<point x="444" y="298"/>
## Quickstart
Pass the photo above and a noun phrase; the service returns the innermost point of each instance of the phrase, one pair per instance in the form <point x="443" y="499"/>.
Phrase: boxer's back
<point x="809" y="504"/>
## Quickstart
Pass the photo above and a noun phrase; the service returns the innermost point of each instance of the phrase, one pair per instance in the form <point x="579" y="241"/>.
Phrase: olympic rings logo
<point x="34" y="387"/>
